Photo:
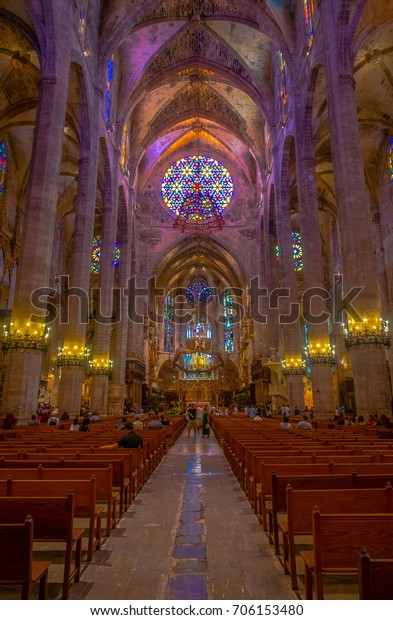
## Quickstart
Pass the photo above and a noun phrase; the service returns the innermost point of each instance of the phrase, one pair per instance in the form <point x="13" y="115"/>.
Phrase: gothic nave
<point x="190" y="193"/>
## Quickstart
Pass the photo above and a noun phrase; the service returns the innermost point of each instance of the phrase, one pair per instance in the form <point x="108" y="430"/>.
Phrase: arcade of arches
<point x="188" y="192"/>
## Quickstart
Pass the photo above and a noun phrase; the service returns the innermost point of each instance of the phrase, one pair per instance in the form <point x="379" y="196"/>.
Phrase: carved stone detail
<point x="151" y="237"/>
<point x="173" y="9"/>
<point x="198" y="101"/>
<point x="200" y="44"/>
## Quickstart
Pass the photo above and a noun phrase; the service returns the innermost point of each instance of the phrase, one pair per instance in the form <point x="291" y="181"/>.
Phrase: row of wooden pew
<point x="332" y="488"/>
<point x="50" y="479"/>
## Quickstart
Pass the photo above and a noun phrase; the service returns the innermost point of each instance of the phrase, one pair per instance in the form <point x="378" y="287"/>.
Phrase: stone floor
<point x="190" y="534"/>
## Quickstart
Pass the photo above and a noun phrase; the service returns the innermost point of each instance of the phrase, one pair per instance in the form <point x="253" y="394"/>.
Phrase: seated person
<point x="75" y="425"/>
<point x="53" y="420"/>
<point x="285" y="424"/>
<point x="164" y="421"/>
<point x="122" y="424"/>
<point x="34" y="420"/>
<point x="304" y="425"/>
<point x="154" y="423"/>
<point x="85" y="426"/>
<point x="131" y="440"/>
<point x="138" y="424"/>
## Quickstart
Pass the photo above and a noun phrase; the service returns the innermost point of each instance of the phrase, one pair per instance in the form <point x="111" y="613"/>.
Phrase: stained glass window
<point x="3" y="166"/>
<point x="390" y="158"/>
<point x="282" y="87"/>
<point x="82" y="21"/>
<point x="124" y="148"/>
<point x="197" y="186"/>
<point x="169" y="314"/>
<point x="229" y="345"/>
<point x="198" y="293"/>
<point x="96" y="254"/>
<point x="297" y="251"/>
<point x="116" y="260"/>
<point x="199" y="329"/>
<point x="308" y="6"/>
<point x="108" y="91"/>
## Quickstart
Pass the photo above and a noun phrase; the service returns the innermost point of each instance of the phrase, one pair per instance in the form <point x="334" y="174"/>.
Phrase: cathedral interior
<point x="196" y="203"/>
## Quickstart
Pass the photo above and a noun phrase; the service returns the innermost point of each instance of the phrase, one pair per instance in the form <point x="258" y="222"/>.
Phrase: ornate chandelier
<point x="202" y="216"/>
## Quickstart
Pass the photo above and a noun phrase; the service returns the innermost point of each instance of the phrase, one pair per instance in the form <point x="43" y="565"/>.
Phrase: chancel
<point x="196" y="202"/>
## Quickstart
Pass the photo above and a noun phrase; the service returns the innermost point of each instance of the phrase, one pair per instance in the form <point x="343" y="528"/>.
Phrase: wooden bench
<point x="337" y="540"/>
<point x="53" y="521"/>
<point x="300" y="505"/>
<point x="16" y="559"/>
<point x="81" y="470"/>
<point x="375" y="577"/>
<point x="121" y="477"/>
<point x="84" y="492"/>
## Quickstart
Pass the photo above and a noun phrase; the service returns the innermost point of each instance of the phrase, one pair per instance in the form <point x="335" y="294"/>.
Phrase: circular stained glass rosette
<point x="198" y="293"/>
<point x="197" y="188"/>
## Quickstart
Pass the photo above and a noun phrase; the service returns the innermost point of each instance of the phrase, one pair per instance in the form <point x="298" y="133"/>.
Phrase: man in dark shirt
<point x="131" y="440"/>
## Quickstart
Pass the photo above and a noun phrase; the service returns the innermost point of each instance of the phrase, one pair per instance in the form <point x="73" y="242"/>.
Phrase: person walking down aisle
<point x="205" y="423"/>
<point x="192" y="421"/>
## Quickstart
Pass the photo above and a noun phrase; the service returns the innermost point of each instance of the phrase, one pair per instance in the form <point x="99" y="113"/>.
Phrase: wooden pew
<point x="375" y="578"/>
<point x="337" y="540"/>
<point x="300" y="505"/>
<point x="86" y="469"/>
<point x="333" y="481"/>
<point x="84" y="492"/>
<point x="16" y="559"/>
<point x="121" y="473"/>
<point x="53" y="521"/>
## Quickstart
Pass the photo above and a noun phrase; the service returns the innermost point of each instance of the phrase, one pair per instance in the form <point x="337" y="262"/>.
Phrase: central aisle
<point x="189" y="535"/>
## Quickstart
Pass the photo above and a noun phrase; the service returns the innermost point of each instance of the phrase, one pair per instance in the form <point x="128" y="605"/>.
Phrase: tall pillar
<point x="319" y="349"/>
<point x="292" y="333"/>
<point x="117" y="386"/>
<point x="70" y="391"/>
<point x="103" y="324"/>
<point x="369" y="364"/>
<point x="23" y="365"/>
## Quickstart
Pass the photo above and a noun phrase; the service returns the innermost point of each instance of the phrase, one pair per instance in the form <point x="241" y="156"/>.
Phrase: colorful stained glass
<point x="96" y="254"/>
<point x="116" y="260"/>
<point x="282" y="87"/>
<point x="229" y="345"/>
<point x="390" y="158"/>
<point x="3" y="166"/>
<point x="197" y="187"/>
<point x="198" y="293"/>
<point x="297" y="251"/>
<point x="199" y="329"/>
<point x="82" y="21"/>
<point x="108" y="91"/>
<point x="169" y="315"/>
<point x="124" y="149"/>
<point x="308" y="7"/>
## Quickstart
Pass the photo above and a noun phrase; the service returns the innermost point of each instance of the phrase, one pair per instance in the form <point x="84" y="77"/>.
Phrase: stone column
<point x="23" y="365"/>
<point x="117" y="386"/>
<point x="369" y="364"/>
<point x="103" y="318"/>
<point x="292" y="332"/>
<point x="319" y="338"/>
<point x="70" y="391"/>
